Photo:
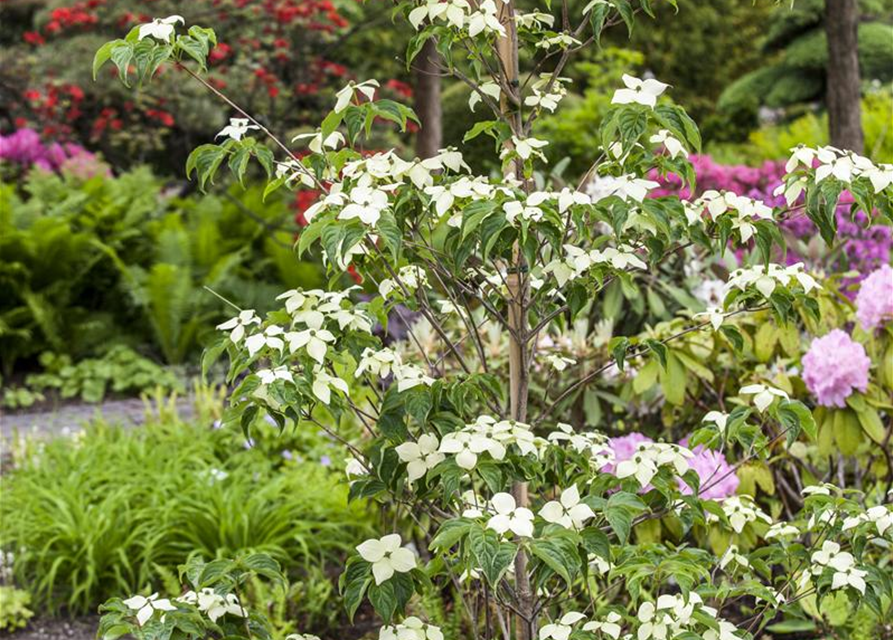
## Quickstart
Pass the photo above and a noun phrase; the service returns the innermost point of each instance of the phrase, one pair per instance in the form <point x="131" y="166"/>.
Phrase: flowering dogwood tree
<point x="475" y="425"/>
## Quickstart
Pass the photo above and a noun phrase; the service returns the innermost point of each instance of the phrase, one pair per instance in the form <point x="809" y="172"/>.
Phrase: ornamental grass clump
<point x="506" y="504"/>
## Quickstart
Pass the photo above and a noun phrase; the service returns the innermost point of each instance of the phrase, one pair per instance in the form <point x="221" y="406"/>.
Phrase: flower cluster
<point x="412" y="628"/>
<point x="741" y="510"/>
<point x="213" y="604"/>
<point x="636" y="455"/>
<point x="834" y="367"/>
<point x="25" y="148"/>
<point x="482" y="18"/>
<point x="766" y="279"/>
<point x="674" y="615"/>
<point x="577" y="262"/>
<point x="874" y="302"/>
<point x="741" y="210"/>
<point x="488" y="435"/>
<point x="842" y="566"/>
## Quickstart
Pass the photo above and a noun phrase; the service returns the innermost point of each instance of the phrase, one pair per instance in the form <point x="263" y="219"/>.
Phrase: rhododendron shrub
<point x="560" y="474"/>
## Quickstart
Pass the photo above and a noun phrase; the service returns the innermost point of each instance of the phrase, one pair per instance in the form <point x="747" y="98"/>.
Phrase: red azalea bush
<point x="280" y="56"/>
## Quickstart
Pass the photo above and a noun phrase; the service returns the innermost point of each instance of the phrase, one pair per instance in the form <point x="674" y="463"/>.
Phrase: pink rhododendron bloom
<point x="718" y="480"/>
<point x="833" y="367"/>
<point x="874" y="302"/>
<point x="624" y="447"/>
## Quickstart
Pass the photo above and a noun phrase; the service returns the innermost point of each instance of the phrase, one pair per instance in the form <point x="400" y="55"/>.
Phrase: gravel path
<point x="72" y="417"/>
<point x="57" y="629"/>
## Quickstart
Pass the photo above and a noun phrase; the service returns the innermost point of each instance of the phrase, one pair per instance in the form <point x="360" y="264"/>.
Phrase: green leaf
<point x="383" y="598"/>
<point x="673" y="380"/>
<point x="103" y="55"/>
<point x="626" y="13"/>
<point x="618" y="347"/>
<point x="793" y="411"/>
<point x="121" y="53"/>
<point x="492" y="556"/>
<point x="659" y="349"/>
<point x="204" y="161"/>
<point x="474" y="214"/>
<point x="559" y="554"/>
<point x="646" y="377"/>
<point x="387" y="225"/>
<point x="353" y="584"/>
<point x="847" y="431"/>
<point x="484" y="126"/>
<point x="620" y="520"/>
<point x="193" y="48"/>
<point x="264" y="565"/>
<point x="450" y="533"/>
<point x="597" y="18"/>
<point x="872" y="424"/>
<point x="733" y="336"/>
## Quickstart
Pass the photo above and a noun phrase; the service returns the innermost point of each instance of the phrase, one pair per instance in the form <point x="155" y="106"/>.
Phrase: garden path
<point x="70" y="418"/>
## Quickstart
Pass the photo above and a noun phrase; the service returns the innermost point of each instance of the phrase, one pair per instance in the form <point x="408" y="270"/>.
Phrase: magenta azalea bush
<point x="25" y="149"/>
<point x="863" y="247"/>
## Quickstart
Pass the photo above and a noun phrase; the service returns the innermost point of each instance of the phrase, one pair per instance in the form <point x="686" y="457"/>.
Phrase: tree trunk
<point x="518" y="284"/>
<point x="844" y="92"/>
<point x="429" y="139"/>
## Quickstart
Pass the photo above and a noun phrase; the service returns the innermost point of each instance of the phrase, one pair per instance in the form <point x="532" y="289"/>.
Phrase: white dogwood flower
<point x="644" y="92"/>
<point x="236" y="128"/>
<point x="849" y="577"/>
<point x="269" y="337"/>
<point x="237" y="326"/>
<point x="510" y="517"/>
<point x="323" y="382"/>
<point x="568" y="511"/>
<point x="345" y="95"/>
<point x="317" y="142"/>
<point x="526" y="148"/>
<point x="409" y="376"/>
<point x="740" y="510"/>
<point x="378" y="363"/>
<point x="763" y="395"/>
<point x="559" y="363"/>
<point x="781" y="530"/>
<point x="160" y="28"/>
<point x="671" y="143"/>
<point x="421" y="456"/>
<point x="468" y="446"/>
<point x="726" y="631"/>
<point x="562" y="629"/>
<point x="412" y="628"/>
<point x="643" y="467"/>
<point x="485" y="20"/>
<point x="714" y="314"/>
<point x="314" y="340"/>
<point x="610" y="626"/>
<point x="387" y="557"/>
<point x="718" y="418"/>
<point x="146" y="606"/>
<point x="269" y="376"/>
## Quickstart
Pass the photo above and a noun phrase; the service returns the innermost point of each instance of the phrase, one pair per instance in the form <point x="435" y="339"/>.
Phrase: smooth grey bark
<point x="843" y="80"/>
<point x="429" y="139"/>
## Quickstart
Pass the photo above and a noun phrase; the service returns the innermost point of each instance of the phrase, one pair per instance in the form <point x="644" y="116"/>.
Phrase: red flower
<point x="32" y="37"/>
